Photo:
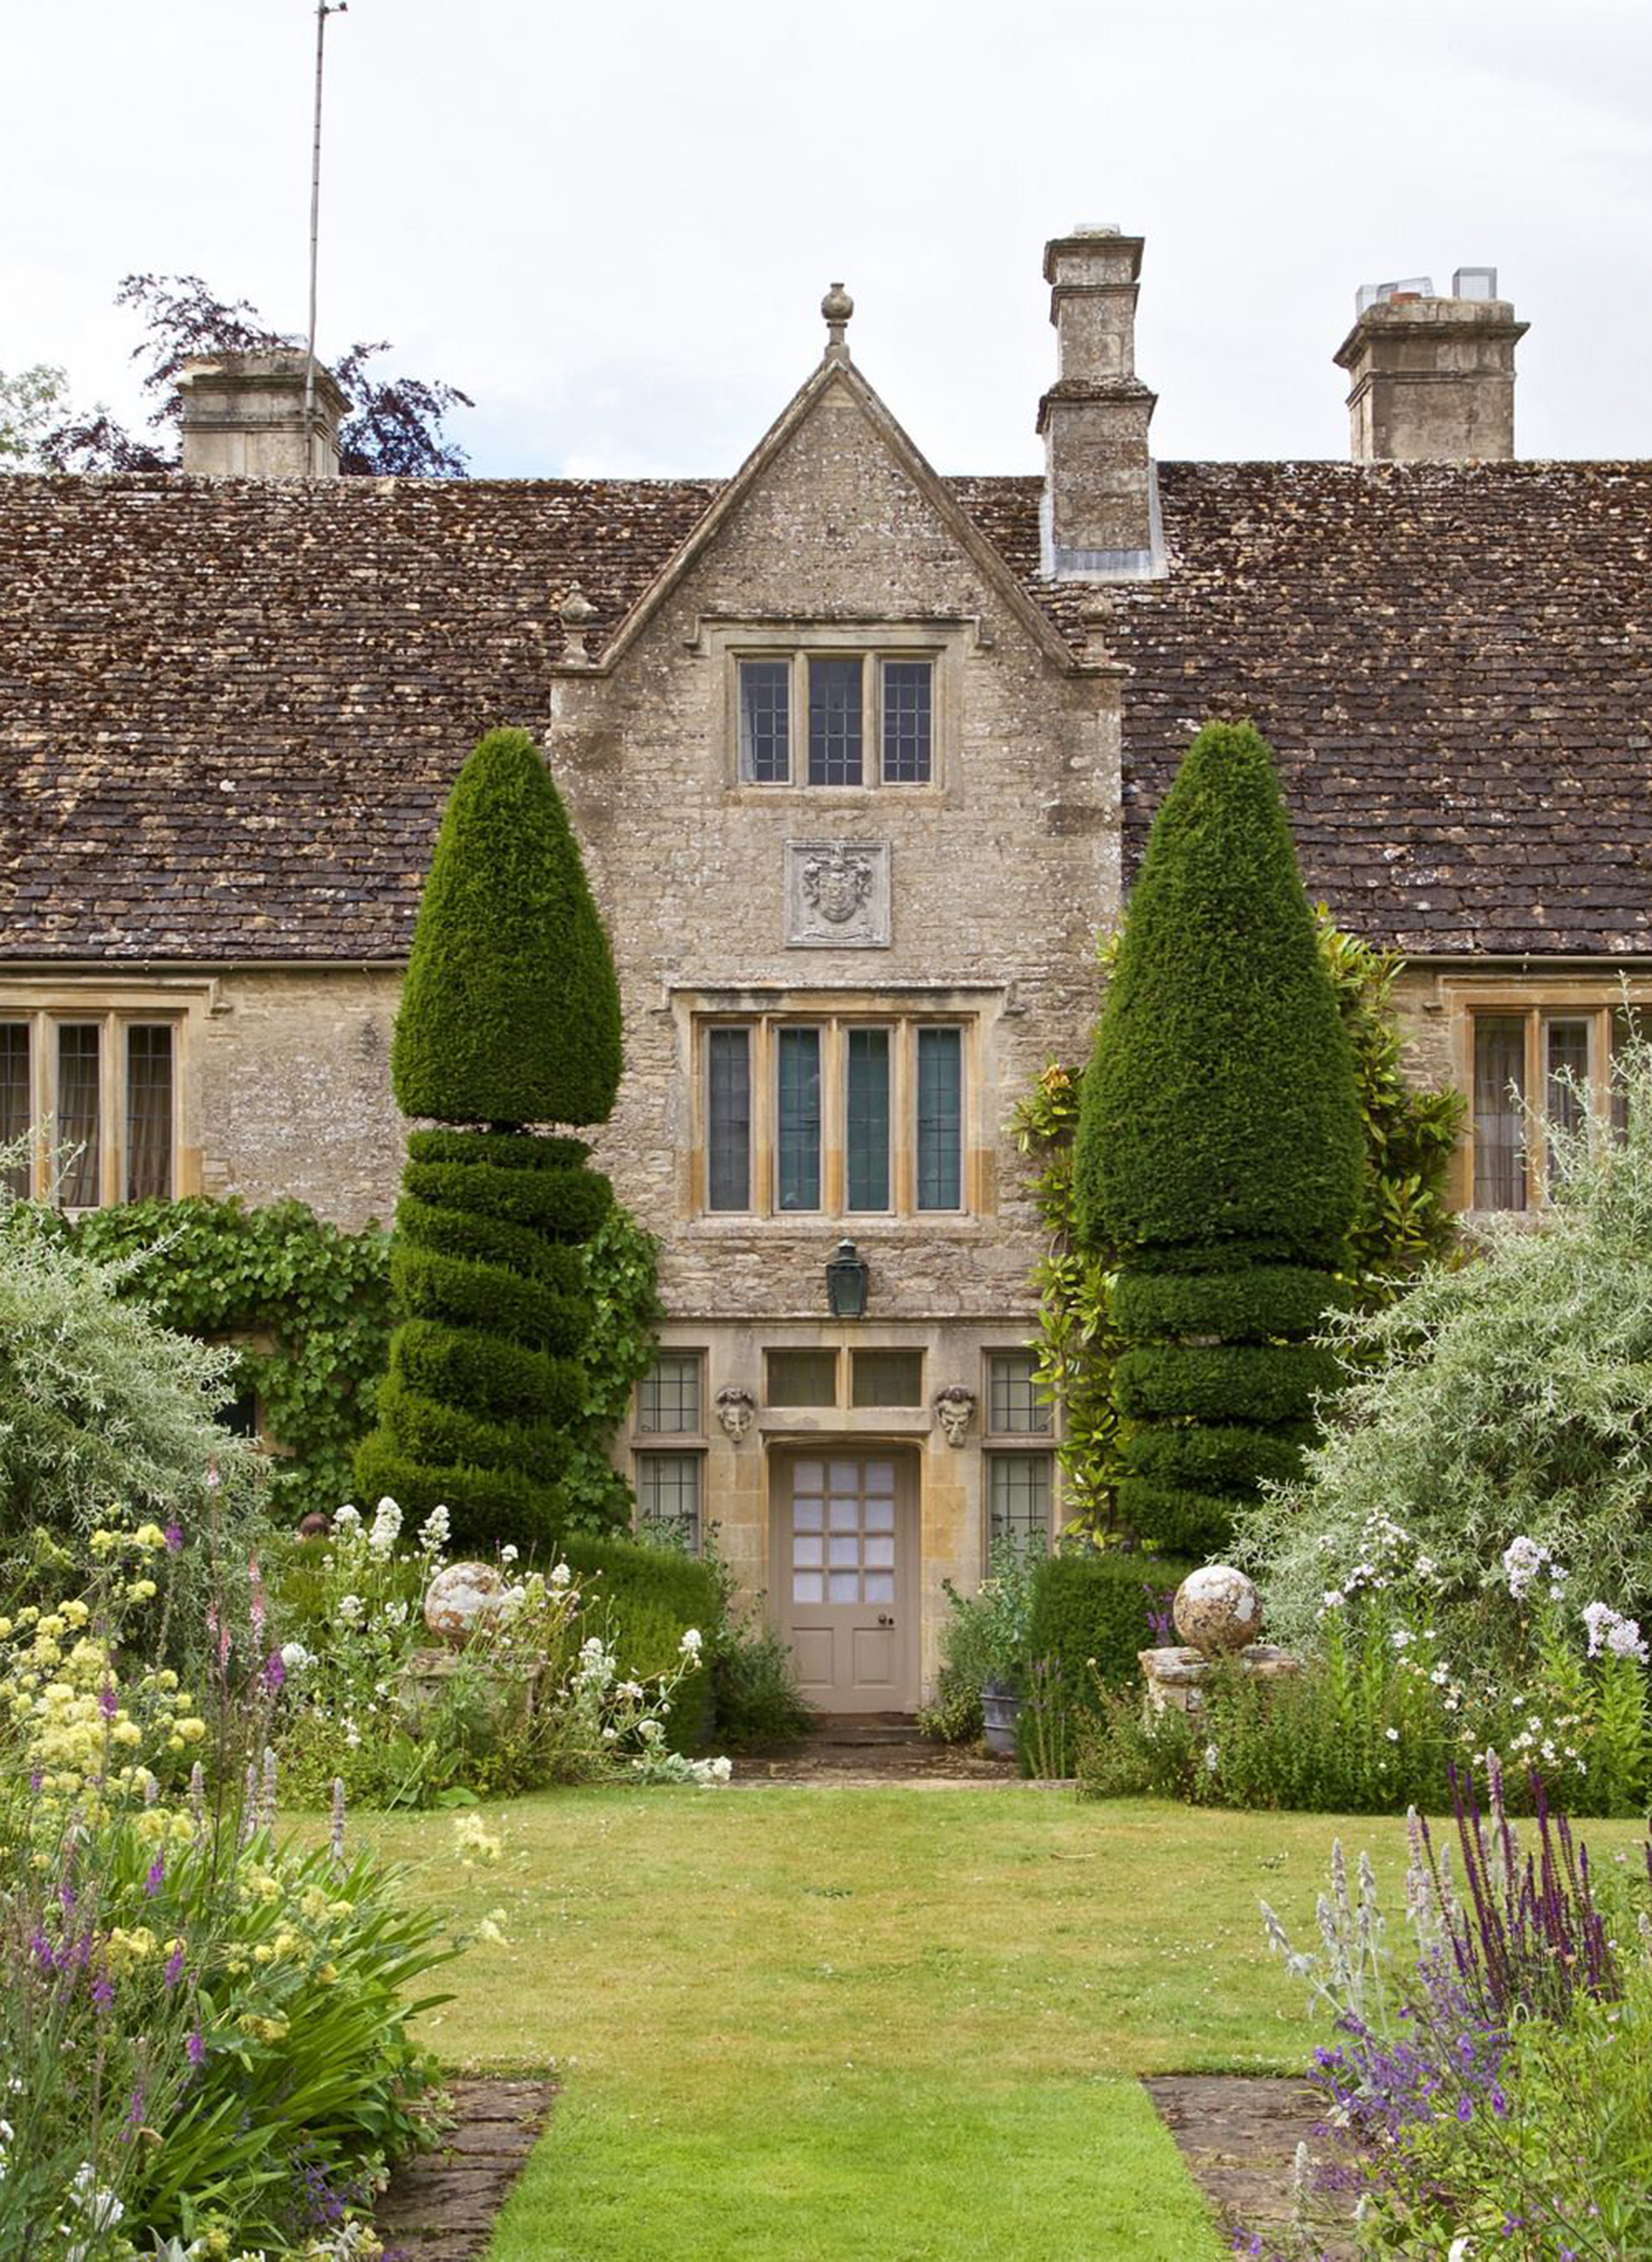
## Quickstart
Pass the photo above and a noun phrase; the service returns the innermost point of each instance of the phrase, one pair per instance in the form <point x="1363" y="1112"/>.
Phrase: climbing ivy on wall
<point x="319" y="1297"/>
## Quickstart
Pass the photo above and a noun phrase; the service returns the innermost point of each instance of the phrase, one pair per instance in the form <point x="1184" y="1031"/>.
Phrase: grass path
<point x="839" y="2025"/>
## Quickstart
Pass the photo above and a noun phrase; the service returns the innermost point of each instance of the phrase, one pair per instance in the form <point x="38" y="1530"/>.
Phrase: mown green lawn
<point x="831" y="2025"/>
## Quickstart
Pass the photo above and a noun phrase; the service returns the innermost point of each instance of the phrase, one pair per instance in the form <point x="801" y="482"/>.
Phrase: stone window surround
<point x="903" y="1011"/>
<point x="693" y="1433"/>
<point x="1038" y="1439"/>
<point x="1596" y="997"/>
<point x="114" y="1003"/>
<point x="945" y="641"/>
<point x="1001" y="1445"/>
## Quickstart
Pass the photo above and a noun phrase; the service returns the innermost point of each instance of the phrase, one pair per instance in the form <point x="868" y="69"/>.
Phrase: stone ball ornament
<point x="1217" y="1610"/>
<point x="462" y="1598"/>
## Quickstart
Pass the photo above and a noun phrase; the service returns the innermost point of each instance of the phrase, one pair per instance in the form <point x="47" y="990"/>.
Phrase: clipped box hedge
<point x="1095" y="1606"/>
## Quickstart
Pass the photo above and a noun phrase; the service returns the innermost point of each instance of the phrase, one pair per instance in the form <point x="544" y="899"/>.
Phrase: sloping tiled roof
<point x="1453" y="664"/>
<point x="230" y="711"/>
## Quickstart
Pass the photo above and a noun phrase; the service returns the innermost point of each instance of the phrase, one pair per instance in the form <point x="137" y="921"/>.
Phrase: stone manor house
<point x="861" y="758"/>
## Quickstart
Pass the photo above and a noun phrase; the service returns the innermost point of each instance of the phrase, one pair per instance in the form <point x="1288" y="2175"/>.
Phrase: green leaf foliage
<point x="1090" y="1616"/>
<point x="1220" y="1104"/>
<point x="511" y="1010"/>
<point x="308" y="1301"/>
<point x="1220" y="1156"/>
<point x="1404" y="1222"/>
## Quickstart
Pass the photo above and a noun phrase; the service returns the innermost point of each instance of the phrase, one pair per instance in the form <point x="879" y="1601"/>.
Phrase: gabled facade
<point x="859" y="758"/>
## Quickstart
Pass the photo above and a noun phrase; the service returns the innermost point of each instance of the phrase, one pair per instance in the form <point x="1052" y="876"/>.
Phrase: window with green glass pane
<point x="798" y="1145"/>
<point x="1017" y="1496"/>
<point x="668" y="1495"/>
<point x="728" y="1119"/>
<point x="940" y="1124"/>
<point x="667" y="1396"/>
<point x="1499" y="1111"/>
<point x="1013" y="1400"/>
<point x="867" y="1126"/>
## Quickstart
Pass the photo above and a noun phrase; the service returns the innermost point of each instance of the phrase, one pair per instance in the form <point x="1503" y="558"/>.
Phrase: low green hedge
<point x="1093" y="1609"/>
<point x="648" y="1597"/>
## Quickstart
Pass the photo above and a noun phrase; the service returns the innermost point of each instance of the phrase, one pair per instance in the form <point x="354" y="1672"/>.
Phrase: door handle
<point x="883" y="1618"/>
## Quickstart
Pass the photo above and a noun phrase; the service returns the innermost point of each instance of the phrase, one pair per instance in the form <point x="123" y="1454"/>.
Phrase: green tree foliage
<point x="510" y="1013"/>
<point x="1219" y="1145"/>
<point x="303" y="1305"/>
<point x="509" y="1018"/>
<point x="29" y="399"/>
<point x="1505" y="1398"/>
<point x="1404" y="1221"/>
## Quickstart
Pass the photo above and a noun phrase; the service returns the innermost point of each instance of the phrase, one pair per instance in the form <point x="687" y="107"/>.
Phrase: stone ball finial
<point x="837" y="308"/>
<point x="462" y="1598"/>
<point x="1217" y="1610"/>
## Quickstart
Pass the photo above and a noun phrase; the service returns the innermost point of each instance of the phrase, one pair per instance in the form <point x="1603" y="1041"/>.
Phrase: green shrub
<point x="984" y="1638"/>
<point x="510" y="1017"/>
<point x="1508" y="1397"/>
<point x="1219" y="1143"/>
<point x="646" y="1598"/>
<point x="755" y="1688"/>
<point x="511" y="1012"/>
<point x="1092" y="1613"/>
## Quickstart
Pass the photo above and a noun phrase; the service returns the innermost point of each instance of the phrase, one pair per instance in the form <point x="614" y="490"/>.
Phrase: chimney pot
<point x="1432" y="379"/>
<point x="243" y="416"/>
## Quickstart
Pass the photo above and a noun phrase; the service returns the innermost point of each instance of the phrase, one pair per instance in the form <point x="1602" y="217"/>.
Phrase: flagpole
<point x="323" y="8"/>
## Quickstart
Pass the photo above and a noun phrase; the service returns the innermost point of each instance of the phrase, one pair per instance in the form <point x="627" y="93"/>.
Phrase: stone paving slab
<point x="1239" y="2135"/>
<point x="442" y="2207"/>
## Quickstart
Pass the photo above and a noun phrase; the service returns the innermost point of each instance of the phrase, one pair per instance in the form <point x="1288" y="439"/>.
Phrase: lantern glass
<point x="845" y="1283"/>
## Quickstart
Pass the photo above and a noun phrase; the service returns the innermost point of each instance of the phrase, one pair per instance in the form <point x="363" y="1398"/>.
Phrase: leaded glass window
<point x="1013" y="1405"/>
<point x="1017" y="1500"/>
<point x="15" y="1105"/>
<point x="668" y="1495"/>
<point x="728" y="1119"/>
<point x="667" y="1396"/>
<point x="868" y="1125"/>
<point x="798" y="1146"/>
<point x="940" y="1125"/>
<point x="149" y="1112"/>
<point x="1566" y="1049"/>
<point x="78" y="1081"/>
<point x="802" y="1377"/>
<point x="887" y="1378"/>
<point x="766" y="721"/>
<point x="835" y="722"/>
<point x="1499" y="1110"/>
<point x="906" y="721"/>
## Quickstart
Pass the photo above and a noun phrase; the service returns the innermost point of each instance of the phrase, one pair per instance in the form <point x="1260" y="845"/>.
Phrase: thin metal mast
<point x="323" y="8"/>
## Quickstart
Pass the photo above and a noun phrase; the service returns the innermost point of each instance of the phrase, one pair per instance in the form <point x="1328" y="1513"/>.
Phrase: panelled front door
<point x="844" y="1577"/>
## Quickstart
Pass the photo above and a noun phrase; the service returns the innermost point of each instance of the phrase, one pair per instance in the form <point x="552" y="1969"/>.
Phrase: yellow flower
<point x="166" y="1679"/>
<point x="193" y="1729"/>
<point x="74" y="1613"/>
<point x="263" y="1953"/>
<point x="267" y="2030"/>
<point x="149" y="1536"/>
<point x="143" y="1589"/>
<point x="104" y="1542"/>
<point x="327" y="1975"/>
<point x="126" y="1732"/>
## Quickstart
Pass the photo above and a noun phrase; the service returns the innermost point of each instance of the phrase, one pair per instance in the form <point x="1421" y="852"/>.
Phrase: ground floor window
<point x="96" y="1096"/>
<point x="1534" y="1069"/>
<point x="668" y="1486"/>
<point x="1019" y="1495"/>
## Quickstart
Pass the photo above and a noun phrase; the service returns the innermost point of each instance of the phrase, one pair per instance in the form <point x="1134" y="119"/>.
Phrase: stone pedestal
<point x="509" y="1699"/>
<point x="1174" y="1678"/>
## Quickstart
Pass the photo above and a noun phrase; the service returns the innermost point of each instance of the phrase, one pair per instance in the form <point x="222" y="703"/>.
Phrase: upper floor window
<point x="832" y="1115"/>
<point x="97" y="1094"/>
<point x="837" y="718"/>
<point x="1536" y="1068"/>
<point x="1014" y="1407"/>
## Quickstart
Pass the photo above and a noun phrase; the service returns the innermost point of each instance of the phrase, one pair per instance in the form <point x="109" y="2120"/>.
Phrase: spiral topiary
<point x="509" y="1018"/>
<point x="1219" y="1151"/>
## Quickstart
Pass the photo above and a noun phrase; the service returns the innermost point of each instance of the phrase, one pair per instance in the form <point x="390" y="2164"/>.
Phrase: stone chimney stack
<point x="1100" y="513"/>
<point x="1432" y="378"/>
<point x="244" y="417"/>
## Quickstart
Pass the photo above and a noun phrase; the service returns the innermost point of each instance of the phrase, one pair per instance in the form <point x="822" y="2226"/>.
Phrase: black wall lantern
<point x="846" y="1282"/>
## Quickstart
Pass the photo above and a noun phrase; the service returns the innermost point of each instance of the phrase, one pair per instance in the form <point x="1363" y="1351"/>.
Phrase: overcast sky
<point x="612" y="221"/>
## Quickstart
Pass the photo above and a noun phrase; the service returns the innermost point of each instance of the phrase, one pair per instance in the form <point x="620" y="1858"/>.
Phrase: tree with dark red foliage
<point x="394" y="426"/>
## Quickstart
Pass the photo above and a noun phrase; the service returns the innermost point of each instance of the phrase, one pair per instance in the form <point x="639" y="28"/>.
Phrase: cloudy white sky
<point x="612" y="220"/>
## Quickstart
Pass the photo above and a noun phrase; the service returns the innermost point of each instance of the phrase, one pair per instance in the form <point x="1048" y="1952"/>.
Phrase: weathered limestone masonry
<point x="234" y="700"/>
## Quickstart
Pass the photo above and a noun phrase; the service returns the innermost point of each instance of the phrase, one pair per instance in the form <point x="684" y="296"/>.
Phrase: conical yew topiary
<point x="509" y="1018"/>
<point x="511" y="1010"/>
<point x="1220" y="1154"/>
